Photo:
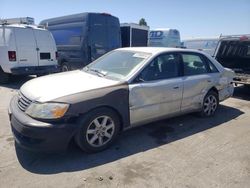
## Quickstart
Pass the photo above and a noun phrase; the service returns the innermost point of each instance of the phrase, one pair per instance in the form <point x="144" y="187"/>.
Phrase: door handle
<point x="176" y="87"/>
<point x="209" y="81"/>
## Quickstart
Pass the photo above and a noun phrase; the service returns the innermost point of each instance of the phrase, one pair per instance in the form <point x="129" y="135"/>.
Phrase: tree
<point x="142" y="22"/>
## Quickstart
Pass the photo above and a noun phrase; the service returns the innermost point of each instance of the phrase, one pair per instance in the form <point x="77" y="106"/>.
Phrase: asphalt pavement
<point x="186" y="151"/>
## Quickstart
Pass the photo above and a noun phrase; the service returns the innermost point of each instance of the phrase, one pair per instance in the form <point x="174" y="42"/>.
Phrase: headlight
<point x="47" y="110"/>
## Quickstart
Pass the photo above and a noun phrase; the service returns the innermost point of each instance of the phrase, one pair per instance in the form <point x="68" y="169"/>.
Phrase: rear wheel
<point x="4" y="77"/>
<point x="210" y="104"/>
<point x="98" y="130"/>
<point x="65" y="67"/>
<point x="247" y="86"/>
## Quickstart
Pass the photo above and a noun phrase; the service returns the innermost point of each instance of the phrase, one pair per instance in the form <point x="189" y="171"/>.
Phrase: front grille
<point x="23" y="102"/>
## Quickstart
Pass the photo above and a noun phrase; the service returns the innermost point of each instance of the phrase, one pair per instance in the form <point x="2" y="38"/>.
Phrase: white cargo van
<point x="207" y="45"/>
<point x="25" y="49"/>
<point x="164" y="37"/>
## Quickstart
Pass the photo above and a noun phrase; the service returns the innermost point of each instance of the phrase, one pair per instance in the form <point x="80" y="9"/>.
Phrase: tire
<point x="98" y="130"/>
<point x="210" y="104"/>
<point x="247" y="86"/>
<point x="4" y="77"/>
<point x="65" y="67"/>
<point x="39" y="75"/>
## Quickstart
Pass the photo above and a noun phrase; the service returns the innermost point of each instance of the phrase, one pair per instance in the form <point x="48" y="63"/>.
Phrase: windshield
<point x="117" y="64"/>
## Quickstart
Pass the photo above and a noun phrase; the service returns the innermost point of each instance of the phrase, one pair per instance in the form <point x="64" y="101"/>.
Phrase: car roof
<point x="158" y="50"/>
<point x="23" y="26"/>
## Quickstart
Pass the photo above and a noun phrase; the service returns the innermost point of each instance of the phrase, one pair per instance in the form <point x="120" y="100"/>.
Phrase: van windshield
<point x="117" y="64"/>
<point x="68" y="36"/>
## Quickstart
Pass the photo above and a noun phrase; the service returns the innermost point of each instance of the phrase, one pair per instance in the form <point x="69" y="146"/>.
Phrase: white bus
<point x="207" y="45"/>
<point x="164" y="38"/>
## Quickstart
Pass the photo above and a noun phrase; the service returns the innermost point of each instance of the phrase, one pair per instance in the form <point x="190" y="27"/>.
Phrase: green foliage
<point x="142" y="22"/>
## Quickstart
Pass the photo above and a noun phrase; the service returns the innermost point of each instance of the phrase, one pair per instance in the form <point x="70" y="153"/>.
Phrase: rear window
<point x="5" y="36"/>
<point x="44" y="55"/>
<point x="68" y="36"/>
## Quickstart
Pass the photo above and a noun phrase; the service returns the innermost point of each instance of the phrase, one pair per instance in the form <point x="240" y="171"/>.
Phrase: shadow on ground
<point x="16" y="82"/>
<point x="242" y="92"/>
<point x="129" y="143"/>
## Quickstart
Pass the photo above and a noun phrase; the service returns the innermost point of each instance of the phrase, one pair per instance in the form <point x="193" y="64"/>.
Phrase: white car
<point x="123" y="89"/>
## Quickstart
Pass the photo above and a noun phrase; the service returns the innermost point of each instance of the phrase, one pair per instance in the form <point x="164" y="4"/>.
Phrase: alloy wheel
<point x="210" y="105"/>
<point x="100" y="131"/>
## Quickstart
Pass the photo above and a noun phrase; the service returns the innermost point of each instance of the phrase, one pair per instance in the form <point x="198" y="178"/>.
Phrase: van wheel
<point x="65" y="67"/>
<point x="210" y="104"/>
<point x="98" y="130"/>
<point x="4" y="77"/>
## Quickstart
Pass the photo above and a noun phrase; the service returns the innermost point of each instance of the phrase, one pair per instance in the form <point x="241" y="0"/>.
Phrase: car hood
<point x="51" y="87"/>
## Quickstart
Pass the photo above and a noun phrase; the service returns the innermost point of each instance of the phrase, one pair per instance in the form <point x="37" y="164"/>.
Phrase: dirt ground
<point x="186" y="151"/>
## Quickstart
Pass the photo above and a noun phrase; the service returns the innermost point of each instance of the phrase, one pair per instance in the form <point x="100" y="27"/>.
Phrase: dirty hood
<point x="51" y="87"/>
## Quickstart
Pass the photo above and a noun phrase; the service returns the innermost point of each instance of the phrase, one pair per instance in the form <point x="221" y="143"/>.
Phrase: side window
<point x="162" y="67"/>
<point x="67" y="36"/>
<point x="193" y="65"/>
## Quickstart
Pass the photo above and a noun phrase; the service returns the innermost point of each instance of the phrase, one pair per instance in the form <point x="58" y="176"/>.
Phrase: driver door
<point x="157" y="91"/>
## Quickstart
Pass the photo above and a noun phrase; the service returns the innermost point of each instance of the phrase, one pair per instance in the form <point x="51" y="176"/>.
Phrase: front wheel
<point x="98" y="130"/>
<point x="210" y="104"/>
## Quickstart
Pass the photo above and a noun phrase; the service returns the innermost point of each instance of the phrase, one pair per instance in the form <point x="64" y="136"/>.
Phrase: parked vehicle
<point x="25" y="49"/>
<point x="122" y="89"/>
<point x="207" y="45"/>
<point x="164" y="38"/>
<point x="234" y="52"/>
<point x="82" y="38"/>
<point x="134" y="35"/>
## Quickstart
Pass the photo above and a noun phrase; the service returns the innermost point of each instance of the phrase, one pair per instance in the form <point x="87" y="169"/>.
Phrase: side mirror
<point x="139" y="79"/>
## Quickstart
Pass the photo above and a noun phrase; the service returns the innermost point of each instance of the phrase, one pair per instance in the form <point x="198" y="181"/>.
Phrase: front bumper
<point x="36" y="70"/>
<point x="36" y="135"/>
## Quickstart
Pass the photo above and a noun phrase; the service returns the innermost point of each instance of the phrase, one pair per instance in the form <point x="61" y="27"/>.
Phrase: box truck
<point x="134" y="35"/>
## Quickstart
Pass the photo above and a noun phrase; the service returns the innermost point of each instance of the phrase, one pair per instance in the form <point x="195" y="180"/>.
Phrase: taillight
<point x="242" y="38"/>
<point x="12" y="55"/>
<point x="56" y="55"/>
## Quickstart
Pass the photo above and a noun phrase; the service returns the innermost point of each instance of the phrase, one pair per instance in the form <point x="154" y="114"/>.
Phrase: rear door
<point x="199" y="77"/>
<point x="26" y="47"/>
<point x="97" y="36"/>
<point x="46" y="47"/>
<point x="113" y="33"/>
